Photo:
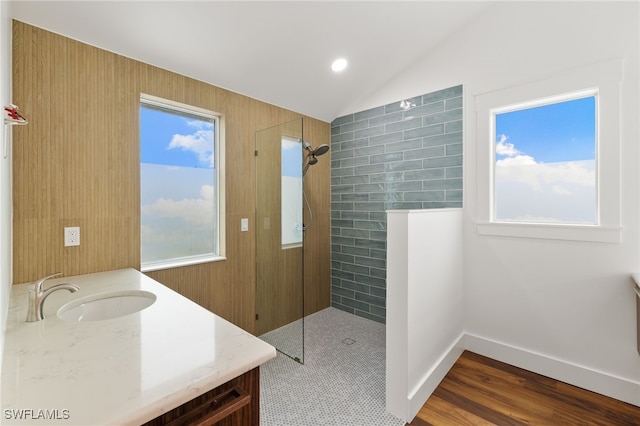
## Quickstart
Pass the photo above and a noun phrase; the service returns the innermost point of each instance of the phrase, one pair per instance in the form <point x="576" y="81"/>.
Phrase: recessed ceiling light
<point x="339" y="65"/>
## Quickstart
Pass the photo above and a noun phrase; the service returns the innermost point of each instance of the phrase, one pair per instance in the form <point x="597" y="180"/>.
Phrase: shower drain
<point x="348" y="341"/>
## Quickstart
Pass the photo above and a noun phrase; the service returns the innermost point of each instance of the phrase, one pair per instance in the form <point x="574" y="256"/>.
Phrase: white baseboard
<point x="419" y="395"/>
<point x="583" y="377"/>
<point x="577" y="375"/>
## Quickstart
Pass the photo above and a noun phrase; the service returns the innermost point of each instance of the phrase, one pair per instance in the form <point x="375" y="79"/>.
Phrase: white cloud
<point x="505" y="148"/>
<point x="527" y="190"/>
<point x="200" y="124"/>
<point x="200" y="142"/>
<point x="541" y="176"/>
<point x="194" y="211"/>
<point x="560" y="190"/>
<point x="519" y="167"/>
<point x="177" y="212"/>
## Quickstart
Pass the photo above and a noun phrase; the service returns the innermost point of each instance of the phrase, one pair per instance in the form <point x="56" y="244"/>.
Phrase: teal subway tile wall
<point x="387" y="158"/>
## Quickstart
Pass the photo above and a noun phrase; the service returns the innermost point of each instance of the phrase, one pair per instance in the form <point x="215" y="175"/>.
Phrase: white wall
<point x="561" y="308"/>
<point x="5" y="172"/>
<point x="425" y="315"/>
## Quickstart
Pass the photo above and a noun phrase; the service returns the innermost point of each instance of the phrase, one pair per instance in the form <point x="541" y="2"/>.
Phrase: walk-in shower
<point x="280" y="158"/>
<point x="289" y="283"/>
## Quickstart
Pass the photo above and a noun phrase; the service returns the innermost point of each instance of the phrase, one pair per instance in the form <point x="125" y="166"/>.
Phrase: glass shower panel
<point x="279" y="238"/>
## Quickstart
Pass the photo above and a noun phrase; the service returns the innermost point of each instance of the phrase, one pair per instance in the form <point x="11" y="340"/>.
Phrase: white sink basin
<point x="104" y="306"/>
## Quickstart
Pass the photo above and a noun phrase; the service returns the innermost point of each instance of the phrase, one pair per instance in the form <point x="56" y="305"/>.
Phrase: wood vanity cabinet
<point x="235" y="403"/>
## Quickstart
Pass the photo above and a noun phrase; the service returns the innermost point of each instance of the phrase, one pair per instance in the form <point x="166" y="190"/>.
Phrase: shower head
<point x="313" y="153"/>
<point x="322" y="149"/>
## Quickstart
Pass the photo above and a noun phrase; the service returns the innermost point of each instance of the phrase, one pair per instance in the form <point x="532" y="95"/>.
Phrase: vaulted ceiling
<point x="277" y="52"/>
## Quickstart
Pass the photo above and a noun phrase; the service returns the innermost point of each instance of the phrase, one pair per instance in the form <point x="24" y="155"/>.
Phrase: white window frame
<point x="219" y="153"/>
<point x="603" y="78"/>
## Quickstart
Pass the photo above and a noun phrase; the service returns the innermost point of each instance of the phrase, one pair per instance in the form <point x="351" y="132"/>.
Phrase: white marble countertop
<point x="126" y="370"/>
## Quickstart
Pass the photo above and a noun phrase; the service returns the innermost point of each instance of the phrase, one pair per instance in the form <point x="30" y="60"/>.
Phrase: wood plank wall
<point x="77" y="163"/>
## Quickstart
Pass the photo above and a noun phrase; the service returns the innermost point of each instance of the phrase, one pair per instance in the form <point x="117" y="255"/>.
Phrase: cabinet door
<point x="235" y="403"/>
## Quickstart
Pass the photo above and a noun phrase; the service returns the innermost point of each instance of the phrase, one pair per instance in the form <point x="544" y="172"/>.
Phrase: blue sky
<point x="545" y="164"/>
<point x="563" y="131"/>
<point x="291" y="157"/>
<point x="171" y="139"/>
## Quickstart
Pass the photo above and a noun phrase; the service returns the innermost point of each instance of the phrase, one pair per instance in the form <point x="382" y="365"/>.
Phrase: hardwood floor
<point x="482" y="391"/>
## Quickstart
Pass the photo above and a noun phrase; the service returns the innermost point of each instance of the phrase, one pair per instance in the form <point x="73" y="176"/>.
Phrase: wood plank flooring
<point x="483" y="391"/>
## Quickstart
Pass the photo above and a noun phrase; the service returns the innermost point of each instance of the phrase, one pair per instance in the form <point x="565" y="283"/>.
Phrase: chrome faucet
<point x="37" y="296"/>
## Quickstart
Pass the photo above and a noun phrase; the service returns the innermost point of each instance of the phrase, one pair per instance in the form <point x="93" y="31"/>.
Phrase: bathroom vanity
<point x="170" y="361"/>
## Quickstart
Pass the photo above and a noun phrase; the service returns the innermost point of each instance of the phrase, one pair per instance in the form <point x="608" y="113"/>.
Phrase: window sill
<point x="177" y="263"/>
<point x="291" y="246"/>
<point x="590" y="233"/>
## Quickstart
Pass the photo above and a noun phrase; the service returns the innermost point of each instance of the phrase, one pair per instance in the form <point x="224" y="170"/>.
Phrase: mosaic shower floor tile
<point x="342" y="381"/>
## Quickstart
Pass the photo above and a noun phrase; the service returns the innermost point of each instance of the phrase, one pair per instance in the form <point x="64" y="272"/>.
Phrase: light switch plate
<point x="244" y="224"/>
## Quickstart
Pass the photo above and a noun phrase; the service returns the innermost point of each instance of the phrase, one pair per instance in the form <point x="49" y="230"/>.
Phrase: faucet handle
<point x="39" y="283"/>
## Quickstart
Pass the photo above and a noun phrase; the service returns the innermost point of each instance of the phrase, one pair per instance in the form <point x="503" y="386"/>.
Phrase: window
<point x="548" y="157"/>
<point x="181" y="189"/>
<point x="291" y="201"/>
<point x="545" y="161"/>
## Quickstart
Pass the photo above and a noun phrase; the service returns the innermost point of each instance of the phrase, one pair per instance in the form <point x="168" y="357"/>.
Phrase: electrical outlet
<point x="72" y="236"/>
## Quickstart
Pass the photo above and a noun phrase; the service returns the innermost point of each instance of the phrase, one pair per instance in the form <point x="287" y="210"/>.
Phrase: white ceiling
<point x="277" y="52"/>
